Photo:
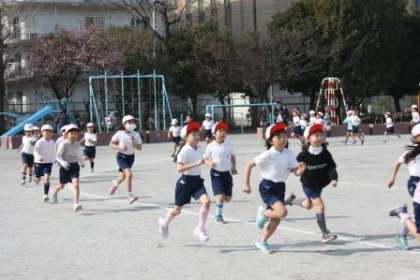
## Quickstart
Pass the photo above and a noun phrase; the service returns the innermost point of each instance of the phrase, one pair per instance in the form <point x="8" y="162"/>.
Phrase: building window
<point x="96" y="22"/>
<point x="15" y="28"/>
<point x="138" y="22"/>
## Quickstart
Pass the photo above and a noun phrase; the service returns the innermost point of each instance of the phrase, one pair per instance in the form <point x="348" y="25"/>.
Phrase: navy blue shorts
<point x="411" y="186"/>
<point x="390" y="130"/>
<point x="187" y="187"/>
<point x="42" y="168"/>
<point x="355" y="129"/>
<point x="297" y="130"/>
<point x="208" y="134"/>
<point x="312" y="193"/>
<point x="221" y="182"/>
<point x="124" y="161"/>
<point x="271" y="192"/>
<point x="67" y="175"/>
<point x="176" y="140"/>
<point x="349" y="130"/>
<point x="89" y="151"/>
<point x="27" y="159"/>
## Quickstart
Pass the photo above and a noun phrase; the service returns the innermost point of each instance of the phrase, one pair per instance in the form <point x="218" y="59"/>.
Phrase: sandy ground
<point x="110" y="239"/>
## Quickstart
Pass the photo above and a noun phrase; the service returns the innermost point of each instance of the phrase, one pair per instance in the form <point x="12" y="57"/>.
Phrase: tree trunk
<point x="397" y="105"/>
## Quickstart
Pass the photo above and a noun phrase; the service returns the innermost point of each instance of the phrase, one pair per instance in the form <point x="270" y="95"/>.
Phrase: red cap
<point x="220" y="125"/>
<point x="192" y="125"/>
<point x="316" y="128"/>
<point x="271" y="130"/>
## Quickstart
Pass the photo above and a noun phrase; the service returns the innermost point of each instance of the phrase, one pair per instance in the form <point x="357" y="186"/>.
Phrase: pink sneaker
<point x="163" y="229"/>
<point x="113" y="187"/>
<point x="132" y="199"/>
<point x="201" y="234"/>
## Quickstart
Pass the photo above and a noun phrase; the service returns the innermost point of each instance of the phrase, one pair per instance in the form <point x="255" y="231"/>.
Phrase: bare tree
<point x="168" y="13"/>
<point x="10" y="13"/>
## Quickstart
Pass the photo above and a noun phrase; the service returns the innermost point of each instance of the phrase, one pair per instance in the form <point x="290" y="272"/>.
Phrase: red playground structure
<point x="329" y="98"/>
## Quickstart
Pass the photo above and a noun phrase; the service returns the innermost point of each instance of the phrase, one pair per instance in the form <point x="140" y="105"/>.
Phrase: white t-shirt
<point x="58" y="142"/>
<point x="175" y="131"/>
<point x="220" y="154"/>
<point x="413" y="166"/>
<point x="44" y="149"/>
<point x="415" y="117"/>
<point x="355" y="120"/>
<point x="123" y="137"/>
<point x="276" y="166"/>
<point x="207" y="125"/>
<point x="189" y="155"/>
<point x="312" y="120"/>
<point x="303" y="123"/>
<point x="90" y="139"/>
<point x="388" y="122"/>
<point x="28" y="143"/>
<point x="296" y="121"/>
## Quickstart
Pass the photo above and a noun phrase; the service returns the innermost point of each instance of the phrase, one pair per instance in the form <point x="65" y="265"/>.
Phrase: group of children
<point x="314" y="164"/>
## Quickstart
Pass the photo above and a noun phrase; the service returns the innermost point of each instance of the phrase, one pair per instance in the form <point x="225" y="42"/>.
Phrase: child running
<point x="320" y="172"/>
<point x="389" y="126"/>
<point x="415" y="117"/>
<point x="69" y="156"/>
<point x="356" y="121"/>
<point x="275" y="165"/>
<point x="125" y="141"/>
<point x="174" y="134"/>
<point x="412" y="159"/>
<point x="190" y="184"/>
<point x="62" y="137"/>
<point x="221" y="158"/>
<point x="206" y="127"/>
<point x="297" y="126"/>
<point x="26" y="151"/>
<point x="44" y="157"/>
<point x="89" y="140"/>
<point x="36" y="132"/>
<point x="348" y="121"/>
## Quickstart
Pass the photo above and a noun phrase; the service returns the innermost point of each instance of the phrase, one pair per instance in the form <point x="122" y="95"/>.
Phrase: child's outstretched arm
<point x="391" y="181"/>
<point x="233" y="170"/>
<point x="181" y="167"/>
<point x="247" y="175"/>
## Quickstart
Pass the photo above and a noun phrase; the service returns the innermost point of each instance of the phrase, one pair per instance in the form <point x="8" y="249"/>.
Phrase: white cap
<point x="207" y="115"/>
<point x="90" y="124"/>
<point x="416" y="130"/>
<point x="35" y="128"/>
<point x="128" y="118"/>
<point x="311" y="112"/>
<point x="28" y="127"/>
<point x="174" y="121"/>
<point x="71" y="127"/>
<point x="47" y="127"/>
<point x="414" y="106"/>
<point x="63" y="128"/>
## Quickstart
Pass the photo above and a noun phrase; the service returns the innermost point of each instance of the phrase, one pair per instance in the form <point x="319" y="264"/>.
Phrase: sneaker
<point x="394" y="212"/>
<point x="163" y="229"/>
<point x="92" y="170"/>
<point x="401" y="241"/>
<point x="54" y="198"/>
<point x="328" y="237"/>
<point x="132" y="199"/>
<point x="113" y="187"/>
<point x="219" y="219"/>
<point x="45" y="198"/>
<point x="289" y="199"/>
<point x="261" y="219"/>
<point x="23" y="182"/>
<point x="77" y="207"/>
<point x="173" y="155"/>
<point x="30" y="179"/>
<point x="263" y="246"/>
<point x="201" y="234"/>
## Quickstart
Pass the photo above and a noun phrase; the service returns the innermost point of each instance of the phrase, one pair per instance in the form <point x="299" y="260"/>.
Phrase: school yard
<point x="110" y="239"/>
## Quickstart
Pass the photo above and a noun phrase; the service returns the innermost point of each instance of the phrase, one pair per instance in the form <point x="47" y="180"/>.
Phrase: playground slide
<point x="44" y="111"/>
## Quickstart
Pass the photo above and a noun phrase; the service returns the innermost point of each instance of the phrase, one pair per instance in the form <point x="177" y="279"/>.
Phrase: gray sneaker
<point x="289" y="199"/>
<point x="394" y="212"/>
<point x="219" y="219"/>
<point x="401" y="241"/>
<point x="328" y="237"/>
